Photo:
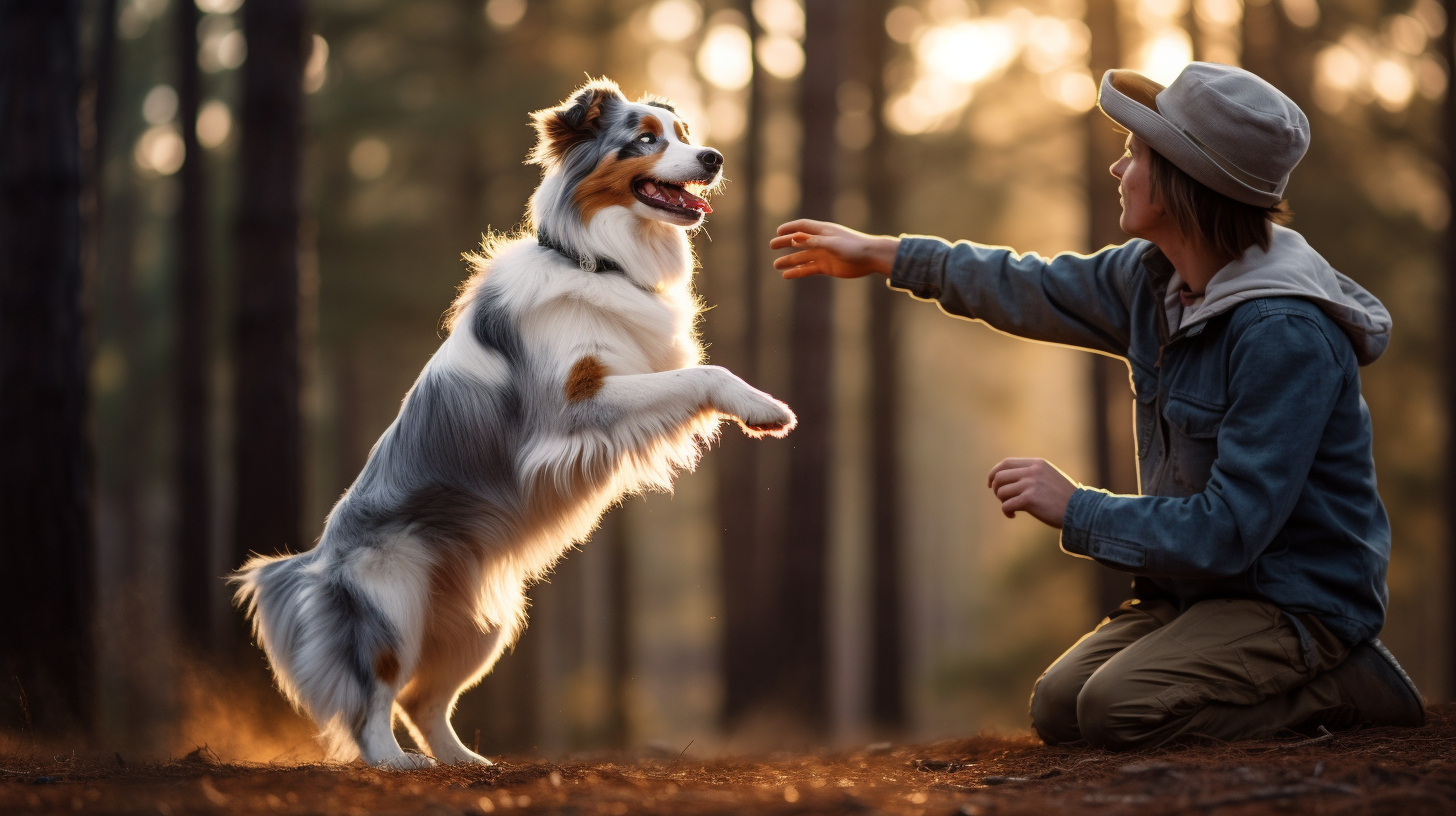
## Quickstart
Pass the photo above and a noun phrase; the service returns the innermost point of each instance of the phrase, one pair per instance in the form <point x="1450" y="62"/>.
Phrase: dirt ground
<point x="1408" y="772"/>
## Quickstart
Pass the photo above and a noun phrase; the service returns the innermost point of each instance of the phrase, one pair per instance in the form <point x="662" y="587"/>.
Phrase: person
<point x="1259" y="544"/>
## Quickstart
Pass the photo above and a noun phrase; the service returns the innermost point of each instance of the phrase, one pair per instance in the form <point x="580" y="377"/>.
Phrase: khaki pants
<point x="1228" y="669"/>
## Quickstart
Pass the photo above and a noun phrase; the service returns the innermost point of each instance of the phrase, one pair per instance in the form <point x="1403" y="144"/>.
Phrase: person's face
<point x="1142" y="217"/>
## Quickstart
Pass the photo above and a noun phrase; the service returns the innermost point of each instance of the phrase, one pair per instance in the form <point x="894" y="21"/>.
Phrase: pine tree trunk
<point x="268" y="425"/>
<point x="1448" y="46"/>
<point x="1113" y="444"/>
<point x="746" y="585"/>
<point x="887" y="651"/>
<point x="46" y="582"/>
<point x="803" y="643"/>
<point x="192" y="472"/>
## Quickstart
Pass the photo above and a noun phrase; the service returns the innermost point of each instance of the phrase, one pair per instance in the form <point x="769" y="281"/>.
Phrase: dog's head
<point x="610" y="152"/>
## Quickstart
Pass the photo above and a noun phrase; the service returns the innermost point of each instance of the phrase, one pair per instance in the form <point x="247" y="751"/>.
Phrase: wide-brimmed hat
<point x="1222" y="125"/>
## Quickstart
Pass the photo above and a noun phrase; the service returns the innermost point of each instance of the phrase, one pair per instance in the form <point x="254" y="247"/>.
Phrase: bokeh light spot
<point x="160" y="105"/>
<point x="214" y="123"/>
<point x="781" y="56"/>
<point x="1165" y="54"/>
<point x="903" y="22"/>
<point x="316" y="71"/>
<point x="504" y="15"/>
<point x="725" y="57"/>
<point x="1303" y="13"/>
<point x="674" y="20"/>
<point x="1393" y="84"/>
<point x="782" y="18"/>
<point x="369" y="159"/>
<point x="160" y="150"/>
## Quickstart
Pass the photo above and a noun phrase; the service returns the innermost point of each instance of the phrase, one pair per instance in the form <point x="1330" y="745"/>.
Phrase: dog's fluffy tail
<point x="329" y="645"/>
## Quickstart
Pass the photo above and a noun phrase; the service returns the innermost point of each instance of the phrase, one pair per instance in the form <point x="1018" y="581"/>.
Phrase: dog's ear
<point x="578" y="119"/>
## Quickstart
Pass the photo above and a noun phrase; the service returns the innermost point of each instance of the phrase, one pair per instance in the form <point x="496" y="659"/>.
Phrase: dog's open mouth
<point x="679" y="199"/>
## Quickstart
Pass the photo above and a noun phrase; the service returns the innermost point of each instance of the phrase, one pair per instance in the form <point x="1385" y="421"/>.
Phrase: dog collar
<point x="587" y="263"/>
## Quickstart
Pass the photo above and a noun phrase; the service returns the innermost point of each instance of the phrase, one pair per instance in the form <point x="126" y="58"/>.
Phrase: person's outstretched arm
<point x="1075" y="300"/>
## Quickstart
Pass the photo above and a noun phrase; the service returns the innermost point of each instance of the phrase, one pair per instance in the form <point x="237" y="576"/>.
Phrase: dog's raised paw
<point x="408" y="762"/>
<point x="773" y="419"/>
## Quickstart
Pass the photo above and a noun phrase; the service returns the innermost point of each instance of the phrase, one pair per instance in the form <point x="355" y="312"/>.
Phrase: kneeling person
<point x="1259" y="545"/>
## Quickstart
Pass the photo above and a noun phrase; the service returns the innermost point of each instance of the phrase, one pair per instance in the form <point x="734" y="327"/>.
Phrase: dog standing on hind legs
<point x="572" y="376"/>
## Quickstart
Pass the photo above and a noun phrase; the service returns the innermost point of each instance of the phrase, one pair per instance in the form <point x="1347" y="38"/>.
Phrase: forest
<point x="229" y="230"/>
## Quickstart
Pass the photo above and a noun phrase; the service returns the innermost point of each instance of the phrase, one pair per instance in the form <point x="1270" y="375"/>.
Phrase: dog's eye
<point x="647" y="138"/>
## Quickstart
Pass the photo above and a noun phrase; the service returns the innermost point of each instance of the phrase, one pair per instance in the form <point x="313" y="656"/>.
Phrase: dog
<point x="572" y="376"/>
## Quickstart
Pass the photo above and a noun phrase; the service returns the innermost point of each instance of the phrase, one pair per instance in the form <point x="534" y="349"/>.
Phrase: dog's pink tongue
<point x="692" y="202"/>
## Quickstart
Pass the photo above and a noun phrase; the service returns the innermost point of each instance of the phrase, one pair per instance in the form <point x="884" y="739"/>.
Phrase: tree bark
<point x="46" y="581"/>
<point x="802" y="634"/>
<point x="747" y="586"/>
<point x="191" y="469"/>
<point x="887" y="655"/>
<point x="1114" y="447"/>
<point x="1448" y="48"/>
<point x="268" y="425"/>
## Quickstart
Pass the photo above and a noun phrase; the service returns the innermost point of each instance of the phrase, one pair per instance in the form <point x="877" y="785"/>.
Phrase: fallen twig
<point x="936" y="765"/>
<point x="1324" y="736"/>
<point x="1002" y="780"/>
<point x="1276" y="792"/>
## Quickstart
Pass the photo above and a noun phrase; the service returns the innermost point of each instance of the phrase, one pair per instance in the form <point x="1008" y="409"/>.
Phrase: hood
<point x="1291" y="268"/>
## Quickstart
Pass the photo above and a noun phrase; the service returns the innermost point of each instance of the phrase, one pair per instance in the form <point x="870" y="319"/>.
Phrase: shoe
<point x="1380" y="692"/>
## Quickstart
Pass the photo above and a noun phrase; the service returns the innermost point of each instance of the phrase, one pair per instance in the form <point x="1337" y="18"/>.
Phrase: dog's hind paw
<point x="407" y="762"/>
<point x="464" y="756"/>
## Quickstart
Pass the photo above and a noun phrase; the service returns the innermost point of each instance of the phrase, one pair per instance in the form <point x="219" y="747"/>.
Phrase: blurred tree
<point x="268" y="428"/>
<point x="746" y="551"/>
<point x="802" y="628"/>
<point x="46" y="585"/>
<point x="192" y="472"/>
<point x="1447" y="44"/>
<point x="887" y="651"/>
<point x="1114" y="448"/>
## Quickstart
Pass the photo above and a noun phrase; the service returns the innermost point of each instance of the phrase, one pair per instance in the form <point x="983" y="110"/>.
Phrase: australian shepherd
<point x="572" y="376"/>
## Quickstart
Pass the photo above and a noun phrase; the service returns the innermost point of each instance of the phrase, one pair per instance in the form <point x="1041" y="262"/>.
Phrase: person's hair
<point x="1215" y="221"/>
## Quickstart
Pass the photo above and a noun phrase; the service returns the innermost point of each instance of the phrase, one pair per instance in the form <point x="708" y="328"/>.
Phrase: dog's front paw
<point x="408" y="762"/>
<point x="767" y="417"/>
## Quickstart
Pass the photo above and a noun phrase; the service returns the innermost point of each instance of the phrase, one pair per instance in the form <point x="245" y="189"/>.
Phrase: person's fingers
<point x="787" y="240"/>
<point x="1012" y="489"/>
<point x="1015" y="503"/>
<point x="800" y="225"/>
<point x="804" y="270"/>
<point x="1005" y="464"/>
<point x="1007" y="476"/>
<point x="1013" y="463"/>
<point x="796" y="258"/>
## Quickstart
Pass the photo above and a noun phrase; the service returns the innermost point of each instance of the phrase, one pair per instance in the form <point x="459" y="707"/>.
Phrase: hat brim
<point x="1120" y="99"/>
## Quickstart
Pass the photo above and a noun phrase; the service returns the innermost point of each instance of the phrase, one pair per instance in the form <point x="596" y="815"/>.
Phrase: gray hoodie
<point x="1291" y="268"/>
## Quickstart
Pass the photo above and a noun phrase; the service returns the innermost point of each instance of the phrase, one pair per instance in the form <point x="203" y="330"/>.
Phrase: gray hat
<point x="1221" y="125"/>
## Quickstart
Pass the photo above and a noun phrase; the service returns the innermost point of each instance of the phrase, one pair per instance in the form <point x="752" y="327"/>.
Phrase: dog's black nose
<point x="711" y="159"/>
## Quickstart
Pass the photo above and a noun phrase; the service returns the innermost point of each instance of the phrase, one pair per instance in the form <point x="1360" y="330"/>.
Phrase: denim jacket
<point x="1253" y="441"/>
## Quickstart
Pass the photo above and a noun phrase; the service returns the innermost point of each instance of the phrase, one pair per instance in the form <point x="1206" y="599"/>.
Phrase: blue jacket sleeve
<point x="1074" y="300"/>
<point x="1284" y="380"/>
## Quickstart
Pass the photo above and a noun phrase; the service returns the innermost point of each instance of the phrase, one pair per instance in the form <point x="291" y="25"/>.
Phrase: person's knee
<point x="1108" y="719"/>
<point x="1054" y="706"/>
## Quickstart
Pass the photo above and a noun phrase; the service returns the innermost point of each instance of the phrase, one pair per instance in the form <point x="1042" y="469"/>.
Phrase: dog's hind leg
<point x="448" y="666"/>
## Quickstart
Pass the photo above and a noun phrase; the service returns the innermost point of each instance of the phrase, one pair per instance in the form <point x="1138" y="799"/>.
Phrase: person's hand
<point x="1033" y="485"/>
<point x="830" y="249"/>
